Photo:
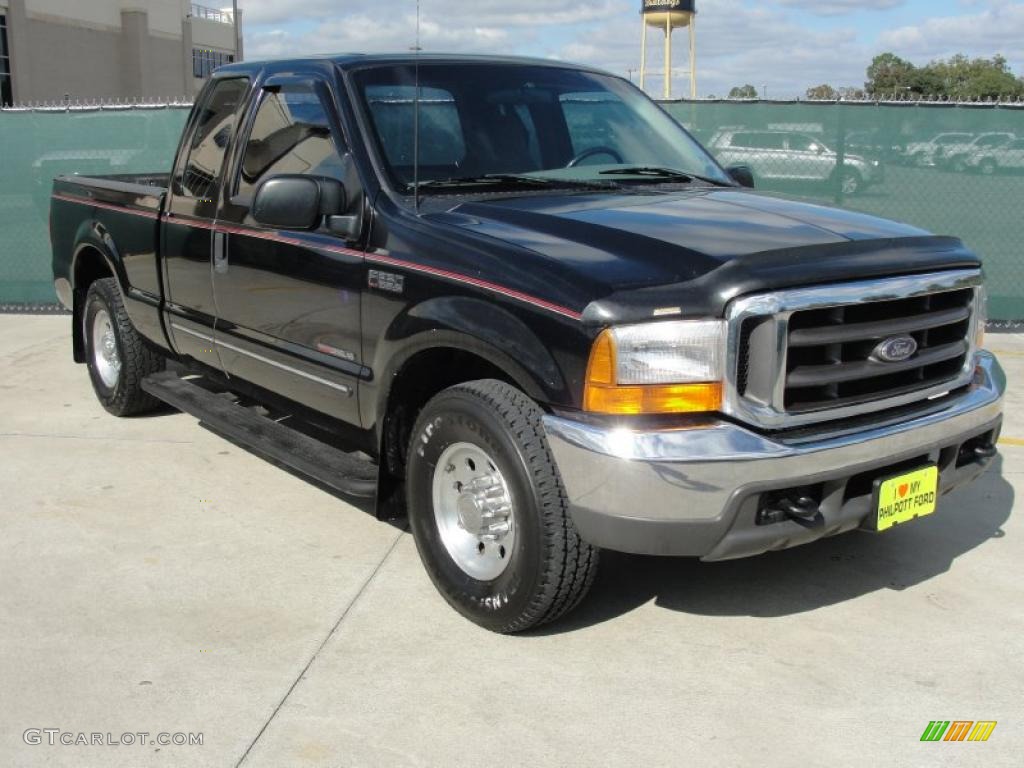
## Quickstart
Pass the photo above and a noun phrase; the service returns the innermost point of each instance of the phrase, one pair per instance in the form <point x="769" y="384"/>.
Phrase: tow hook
<point x="802" y="510"/>
<point x="985" y="451"/>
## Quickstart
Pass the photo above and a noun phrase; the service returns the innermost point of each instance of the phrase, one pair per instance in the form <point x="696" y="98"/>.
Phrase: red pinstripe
<point x="376" y="258"/>
<point x="477" y="282"/>
<point x="106" y="206"/>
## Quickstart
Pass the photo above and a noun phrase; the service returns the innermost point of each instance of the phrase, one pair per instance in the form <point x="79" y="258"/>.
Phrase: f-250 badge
<point x="387" y="281"/>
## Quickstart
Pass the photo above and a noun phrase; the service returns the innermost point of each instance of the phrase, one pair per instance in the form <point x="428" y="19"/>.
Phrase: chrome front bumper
<point x="697" y="491"/>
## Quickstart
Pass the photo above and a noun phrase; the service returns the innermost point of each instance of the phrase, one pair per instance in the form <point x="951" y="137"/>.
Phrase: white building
<point x="88" y="49"/>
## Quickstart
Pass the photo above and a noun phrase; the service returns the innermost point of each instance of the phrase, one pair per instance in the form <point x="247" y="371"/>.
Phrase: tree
<point x="968" y="79"/>
<point x="959" y="78"/>
<point x="823" y="92"/>
<point x="888" y="76"/>
<point x="743" y="92"/>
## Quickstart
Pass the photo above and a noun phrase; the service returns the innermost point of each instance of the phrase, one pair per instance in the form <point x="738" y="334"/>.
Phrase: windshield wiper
<point x="497" y="179"/>
<point x="661" y="174"/>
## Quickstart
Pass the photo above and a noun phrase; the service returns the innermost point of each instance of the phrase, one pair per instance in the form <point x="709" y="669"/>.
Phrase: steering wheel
<point x="591" y="152"/>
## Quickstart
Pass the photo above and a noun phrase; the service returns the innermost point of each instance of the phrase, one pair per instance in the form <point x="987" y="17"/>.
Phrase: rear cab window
<point x="198" y="177"/>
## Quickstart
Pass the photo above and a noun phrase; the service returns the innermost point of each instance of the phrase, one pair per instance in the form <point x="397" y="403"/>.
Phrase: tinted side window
<point x="200" y="176"/>
<point x="801" y="143"/>
<point x="771" y="141"/>
<point x="991" y="141"/>
<point x="290" y="134"/>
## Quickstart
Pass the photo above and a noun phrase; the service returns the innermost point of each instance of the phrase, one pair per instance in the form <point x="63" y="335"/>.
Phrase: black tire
<point x="137" y="358"/>
<point x="988" y="167"/>
<point x="550" y="568"/>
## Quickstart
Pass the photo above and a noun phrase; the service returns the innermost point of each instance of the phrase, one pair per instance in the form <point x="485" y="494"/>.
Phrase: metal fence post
<point x="840" y="151"/>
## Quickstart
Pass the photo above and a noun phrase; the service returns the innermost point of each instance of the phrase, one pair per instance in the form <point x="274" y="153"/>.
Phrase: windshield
<point x="548" y="124"/>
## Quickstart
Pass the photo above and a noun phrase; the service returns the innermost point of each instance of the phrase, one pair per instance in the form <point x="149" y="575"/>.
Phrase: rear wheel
<point x="117" y="357"/>
<point x="488" y="511"/>
<point x="988" y="167"/>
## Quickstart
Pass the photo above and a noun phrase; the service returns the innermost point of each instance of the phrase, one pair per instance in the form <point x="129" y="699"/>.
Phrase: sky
<point x="781" y="46"/>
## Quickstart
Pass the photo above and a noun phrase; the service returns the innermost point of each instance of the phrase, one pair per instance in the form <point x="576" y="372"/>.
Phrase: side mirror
<point x="742" y="175"/>
<point x="298" y="202"/>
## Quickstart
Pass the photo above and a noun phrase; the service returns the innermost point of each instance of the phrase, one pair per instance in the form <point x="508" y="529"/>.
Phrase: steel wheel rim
<point x="105" y="357"/>
<point x="473" y="511"/>
<point x="850" y="185"/>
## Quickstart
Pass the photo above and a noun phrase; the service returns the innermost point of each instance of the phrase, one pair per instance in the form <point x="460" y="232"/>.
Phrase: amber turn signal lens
<point x="602" y="395"/>
<point x="601" y="368"/>
<point x="660" y="398"/>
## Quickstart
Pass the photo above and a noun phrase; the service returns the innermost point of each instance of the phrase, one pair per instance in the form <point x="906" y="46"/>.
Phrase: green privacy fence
<point x="949" y="169"/>
<point x="35" y="146"/>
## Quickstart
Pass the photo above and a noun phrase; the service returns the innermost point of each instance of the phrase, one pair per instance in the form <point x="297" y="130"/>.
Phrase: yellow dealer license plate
<point x="902" y="498"/>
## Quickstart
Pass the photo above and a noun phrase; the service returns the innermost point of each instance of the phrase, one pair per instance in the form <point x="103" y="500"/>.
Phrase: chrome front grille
<point x="806" y="355"/>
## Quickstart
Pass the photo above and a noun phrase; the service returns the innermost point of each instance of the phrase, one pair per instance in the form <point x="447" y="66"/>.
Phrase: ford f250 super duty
<point x="518" y="298"/>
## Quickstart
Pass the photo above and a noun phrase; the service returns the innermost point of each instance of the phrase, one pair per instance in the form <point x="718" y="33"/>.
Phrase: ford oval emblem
<point x="895" y="350"/>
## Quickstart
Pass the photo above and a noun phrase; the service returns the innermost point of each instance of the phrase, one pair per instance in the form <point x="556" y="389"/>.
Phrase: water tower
<point x="669" y="15"/>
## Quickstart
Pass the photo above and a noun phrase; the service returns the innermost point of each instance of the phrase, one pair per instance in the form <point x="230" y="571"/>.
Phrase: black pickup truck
<point x="516" y="300"/>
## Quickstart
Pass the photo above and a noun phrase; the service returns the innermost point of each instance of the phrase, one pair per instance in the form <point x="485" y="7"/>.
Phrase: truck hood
<point x="614" y="245"/>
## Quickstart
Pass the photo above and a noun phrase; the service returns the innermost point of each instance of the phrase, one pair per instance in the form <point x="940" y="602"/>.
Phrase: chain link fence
<point x="40" y="142"/>
<point x="955" y="169"/>
<point x="950" y="169"/>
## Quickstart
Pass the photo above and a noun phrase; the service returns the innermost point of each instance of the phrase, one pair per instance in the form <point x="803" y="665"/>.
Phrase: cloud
<point x="274" y="29"/>
<point x="841" y="7"/>
<point x="482" y="12"/>
<point x="763" y="43"/>
<point x="367" y="34"/>
<point x="736" y="44"/>
<point x="997" y="29"/>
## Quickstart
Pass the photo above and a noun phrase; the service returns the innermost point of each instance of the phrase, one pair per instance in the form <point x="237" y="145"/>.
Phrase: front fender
<point x="474" y="326"/>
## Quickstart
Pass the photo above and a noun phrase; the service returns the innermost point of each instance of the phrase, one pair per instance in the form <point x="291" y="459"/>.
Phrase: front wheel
<point x="488" y="510"/>
<point x="117" y="356"/>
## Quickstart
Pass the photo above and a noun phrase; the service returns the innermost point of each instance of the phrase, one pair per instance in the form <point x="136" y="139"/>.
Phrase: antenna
<point x="416" y="121"/>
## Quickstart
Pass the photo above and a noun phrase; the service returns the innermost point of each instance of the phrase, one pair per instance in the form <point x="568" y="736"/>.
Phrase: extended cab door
<point x="187" y="228"/>
<point x="288" y="301"/>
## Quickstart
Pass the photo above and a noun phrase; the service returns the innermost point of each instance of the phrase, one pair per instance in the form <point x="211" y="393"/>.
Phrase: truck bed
<point x="144" y="184"/>
<point x="123" y="209"/>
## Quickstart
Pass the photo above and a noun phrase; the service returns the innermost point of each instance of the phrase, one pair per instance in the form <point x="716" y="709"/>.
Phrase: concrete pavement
<point x="156" y="578"/>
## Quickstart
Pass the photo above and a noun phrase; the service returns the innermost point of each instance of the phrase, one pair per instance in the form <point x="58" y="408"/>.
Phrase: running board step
<point x="327" y="465"/>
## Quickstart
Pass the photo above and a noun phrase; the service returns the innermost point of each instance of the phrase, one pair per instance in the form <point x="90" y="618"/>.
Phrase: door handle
<point x="220" y="253"/>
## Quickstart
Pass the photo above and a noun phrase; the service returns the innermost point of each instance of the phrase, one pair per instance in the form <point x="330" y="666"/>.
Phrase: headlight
<point x="666" y="367"/>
